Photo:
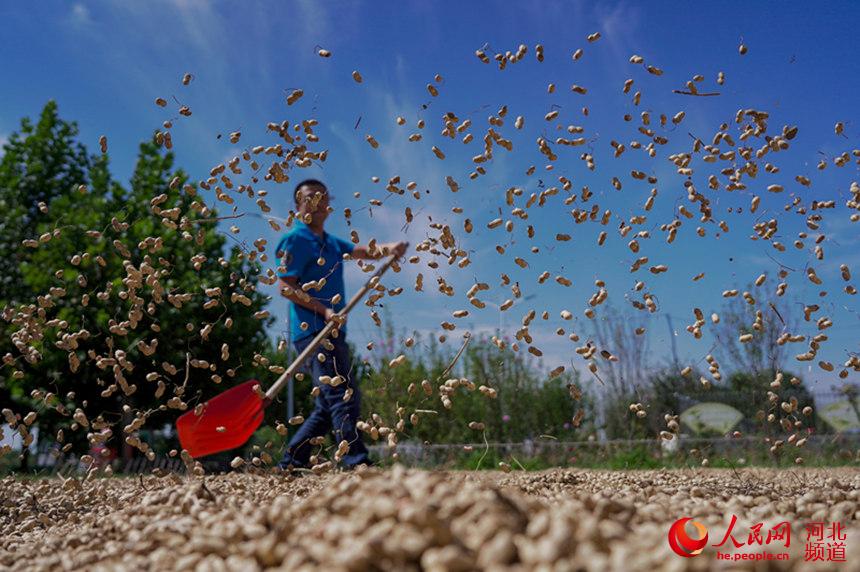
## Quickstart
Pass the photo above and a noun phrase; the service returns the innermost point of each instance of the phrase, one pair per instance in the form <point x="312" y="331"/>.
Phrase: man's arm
<point x="292" y="292"/>
<point x="364" y="252"/>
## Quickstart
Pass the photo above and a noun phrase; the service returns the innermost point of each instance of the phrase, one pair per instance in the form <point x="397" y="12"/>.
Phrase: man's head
<point x="312" y="199"/>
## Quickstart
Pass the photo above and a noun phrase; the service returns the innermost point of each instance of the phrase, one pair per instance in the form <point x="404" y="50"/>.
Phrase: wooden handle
<point x="323" y="334"/>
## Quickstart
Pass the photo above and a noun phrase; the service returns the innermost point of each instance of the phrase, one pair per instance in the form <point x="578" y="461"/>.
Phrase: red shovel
<point x="229" y="419"/>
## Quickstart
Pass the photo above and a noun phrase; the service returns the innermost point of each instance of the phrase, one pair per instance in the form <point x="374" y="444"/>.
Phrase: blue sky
<point x="106" y="62"/>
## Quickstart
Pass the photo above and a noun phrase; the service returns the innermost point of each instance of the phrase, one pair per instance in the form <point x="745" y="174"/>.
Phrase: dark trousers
<point x="331" y="412"/>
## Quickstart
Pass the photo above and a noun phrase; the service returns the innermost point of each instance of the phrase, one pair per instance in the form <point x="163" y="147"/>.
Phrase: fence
<point x="830" y="449"/>
<point x="49" y="463"/>
<point x="837" y="449"/>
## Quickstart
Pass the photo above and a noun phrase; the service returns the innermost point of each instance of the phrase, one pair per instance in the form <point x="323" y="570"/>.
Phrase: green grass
<point x="638" y="457"/>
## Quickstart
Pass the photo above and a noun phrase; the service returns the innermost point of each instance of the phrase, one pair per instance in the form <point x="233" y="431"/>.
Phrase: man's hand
<point x="396" y="248"/>
<point x="332" y="316"/>
<point x="362" y="251"/>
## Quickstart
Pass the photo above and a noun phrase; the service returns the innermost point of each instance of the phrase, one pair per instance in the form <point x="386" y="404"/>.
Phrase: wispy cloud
<point x="619" y="25"/>
<point x="841" y="231"/>
<point x="80" y="15"/>
<point x="314" y="23"/>
<point x="149" y="45"/>
<point x="200" y="22"/>
<point x="412" y="161"/>
<point x="314" y="20"/>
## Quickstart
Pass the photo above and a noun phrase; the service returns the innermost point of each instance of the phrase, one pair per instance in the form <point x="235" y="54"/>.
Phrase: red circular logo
<point x="682" y="543"/>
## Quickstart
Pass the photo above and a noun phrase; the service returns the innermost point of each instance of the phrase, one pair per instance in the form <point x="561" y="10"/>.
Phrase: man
<point x="308" y="253"/>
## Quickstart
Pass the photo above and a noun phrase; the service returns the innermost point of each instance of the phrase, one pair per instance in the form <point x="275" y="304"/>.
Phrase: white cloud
<point x="412" y="162"/>
<point x="189" y="32"/>
<point x="619" y="25"/>
<point x="80" y="15"/>
<point x="841" y="231"/>
<point x="202" y="25"/>
<point x="314" y="19"/>
<point x="314" y="25"/>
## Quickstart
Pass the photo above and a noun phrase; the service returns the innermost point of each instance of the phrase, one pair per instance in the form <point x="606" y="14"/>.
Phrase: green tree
<point x="527" y="403"/>
<point x="746" y="392"/>
<point x="39" y="163"/>
<point x="124" y="322"/>
<point x="768" y="318"/>
<point x="624" y="377"/>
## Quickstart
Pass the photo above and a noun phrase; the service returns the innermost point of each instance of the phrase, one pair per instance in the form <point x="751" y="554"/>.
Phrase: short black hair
<point x="309" y="183"/>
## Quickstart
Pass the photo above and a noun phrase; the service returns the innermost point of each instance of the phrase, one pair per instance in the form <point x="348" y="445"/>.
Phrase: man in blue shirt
<point x="309" y="254"/>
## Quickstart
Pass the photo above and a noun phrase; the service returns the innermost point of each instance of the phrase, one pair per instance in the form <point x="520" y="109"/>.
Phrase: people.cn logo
<point x="682" y="543"/>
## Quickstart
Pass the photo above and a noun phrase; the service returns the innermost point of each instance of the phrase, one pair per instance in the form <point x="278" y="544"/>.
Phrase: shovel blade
<point x="226" y="421"/>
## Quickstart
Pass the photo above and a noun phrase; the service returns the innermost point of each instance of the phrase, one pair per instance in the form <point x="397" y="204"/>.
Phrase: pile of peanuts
<point x="406" y="519"/>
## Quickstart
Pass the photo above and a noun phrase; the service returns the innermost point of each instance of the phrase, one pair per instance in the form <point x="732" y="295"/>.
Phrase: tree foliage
<point x="766" y="320"/>
<point x="749" y="372"/>
<point x="39" y="163"/>
<point x="110" y="313"/>
<point x="527" y="404"/>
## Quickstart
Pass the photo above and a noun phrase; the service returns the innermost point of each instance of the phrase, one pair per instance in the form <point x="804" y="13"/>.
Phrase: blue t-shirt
<point x="298" y="252"/>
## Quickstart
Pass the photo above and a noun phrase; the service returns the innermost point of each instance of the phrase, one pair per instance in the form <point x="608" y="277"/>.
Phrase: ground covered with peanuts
<point x="405" y="519"/>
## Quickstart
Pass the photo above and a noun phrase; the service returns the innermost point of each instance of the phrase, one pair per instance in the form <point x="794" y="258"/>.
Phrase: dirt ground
<point x="402" y="519"/>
